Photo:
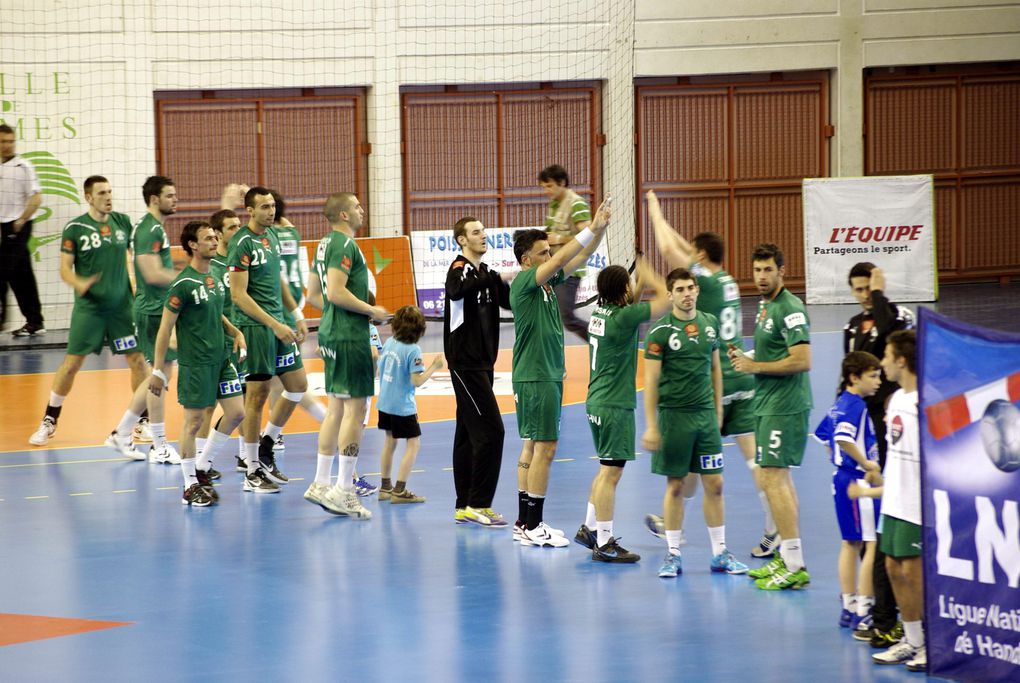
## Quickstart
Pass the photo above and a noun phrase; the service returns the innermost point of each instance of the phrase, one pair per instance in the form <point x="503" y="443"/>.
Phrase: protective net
<point x="429" y="111"/>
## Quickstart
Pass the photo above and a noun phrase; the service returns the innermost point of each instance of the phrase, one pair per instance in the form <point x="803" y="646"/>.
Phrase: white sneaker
<point x="41" y="436"/>
<point x="142" y="433"/>
<point x="900" y="653"/>
<point x="123" y="445"/>
<point x="518" y="533"/>
<point x="165" y="454"/>
<point x="542" y="536"/>
<point x="920" y="660"/>
<point x="316" y="492"/>
<point x="554" y="532"/>
<point x="341" y="502"/>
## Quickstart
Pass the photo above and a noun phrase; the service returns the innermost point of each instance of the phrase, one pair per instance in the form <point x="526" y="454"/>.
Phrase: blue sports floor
<point x="272" y="588"/>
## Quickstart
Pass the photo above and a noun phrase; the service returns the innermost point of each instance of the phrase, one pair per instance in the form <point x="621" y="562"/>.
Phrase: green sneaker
<point x="784" y="579"/>
<point x="459" y="516"/>
<point x="774" y="565"/>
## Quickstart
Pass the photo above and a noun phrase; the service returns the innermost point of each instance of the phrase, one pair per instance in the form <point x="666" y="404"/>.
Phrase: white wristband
<point x="298" y="314"/>
<point x="156" y="372"/>
<point x="585" y="237"/>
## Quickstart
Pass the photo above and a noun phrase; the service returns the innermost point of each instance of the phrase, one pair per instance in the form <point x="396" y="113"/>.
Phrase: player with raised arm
<point x="718" y="294"/>
<point x="538" y="365"/>
<point x="194" y="307"/>
<point x="257" y="290"/>
<point x="782" y="404"/>
<point x="340" y="280"/>
<point x="683" y="412"/>
<point x="612" y="395"/>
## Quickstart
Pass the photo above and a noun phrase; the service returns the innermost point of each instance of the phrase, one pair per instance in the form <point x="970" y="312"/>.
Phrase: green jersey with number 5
<point x="781" y="324"/>
<point x="720" y="295"/>
<point x="612" y="353"/>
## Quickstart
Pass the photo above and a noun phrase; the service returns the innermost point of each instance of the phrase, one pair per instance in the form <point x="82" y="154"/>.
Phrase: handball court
<point x="107" y="577"/>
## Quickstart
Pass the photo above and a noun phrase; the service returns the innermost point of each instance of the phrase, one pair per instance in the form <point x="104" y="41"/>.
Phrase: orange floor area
<point x="99" y="398"/>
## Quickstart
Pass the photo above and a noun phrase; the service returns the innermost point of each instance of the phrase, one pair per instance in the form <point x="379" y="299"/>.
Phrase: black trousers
<point x="16" y="270"/>
<point x="566" y="297"/>
<point x="883" y="613"/>
<point x="478" y="440"/>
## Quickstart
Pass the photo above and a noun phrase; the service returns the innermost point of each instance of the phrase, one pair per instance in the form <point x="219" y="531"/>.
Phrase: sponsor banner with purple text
<point x="886" y="220"/>
<point x="434" y="250"/>
<point x="969" y="383"/>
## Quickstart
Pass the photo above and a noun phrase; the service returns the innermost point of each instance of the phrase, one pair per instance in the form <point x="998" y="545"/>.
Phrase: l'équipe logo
<point x="31" y="103"/>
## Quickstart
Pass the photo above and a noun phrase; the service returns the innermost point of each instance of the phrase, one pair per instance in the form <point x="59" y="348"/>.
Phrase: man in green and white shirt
<point x="537" y="371"/>
<point x="568" y="215"/>
<point x="683" y="411"/>
<point x="719" y="295"/>
<point x="782" y="402"/>
<point x="612" y="395"/>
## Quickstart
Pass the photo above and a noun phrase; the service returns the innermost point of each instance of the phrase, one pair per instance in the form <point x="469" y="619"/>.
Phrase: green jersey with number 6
<point x="685" y="349"/>
<point x="197" y="299"/>
<point x="781" y="324"/>
<point x="720" y="295"/>
<point x="612" y="352"/>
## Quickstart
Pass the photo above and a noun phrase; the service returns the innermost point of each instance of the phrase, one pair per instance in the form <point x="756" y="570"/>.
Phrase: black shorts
<point x="401" y="426"/>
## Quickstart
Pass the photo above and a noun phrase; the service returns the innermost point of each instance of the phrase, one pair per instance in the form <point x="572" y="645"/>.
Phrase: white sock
<point x="323" y="469"/>
<point x="770" y="523"/>
<point x="241" y="453"/>
<point x="864" y="604"/>
<point x="603" y="532"/>
<point x="717" y="534"/>
<point x="127" y="423"/>
<point x="272" y="431"/>
<point x="317" y="411"/>
<point x="914" y="633"/>
<point x="849" y="601"/>
<point x="56" y="400"/>
<point x="188" y="467"/>
<point x="345" y="478"/>
<point x="251" y="456"/>
<point x="213" y="445"/>
<point x="199" y="444"/>
<point x="793" y="556"/>
<point x="158" y="433"/>
<point x="368" y="411"/>
<point x="589" y="517"/>
<point x="673" y="541"/>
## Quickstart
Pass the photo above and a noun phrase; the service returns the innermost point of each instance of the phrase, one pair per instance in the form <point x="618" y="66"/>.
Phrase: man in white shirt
<point x="20" y="197"/>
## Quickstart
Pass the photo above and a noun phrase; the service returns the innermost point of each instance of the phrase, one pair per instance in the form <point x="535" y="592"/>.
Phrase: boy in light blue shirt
<point x="401" y="369"/>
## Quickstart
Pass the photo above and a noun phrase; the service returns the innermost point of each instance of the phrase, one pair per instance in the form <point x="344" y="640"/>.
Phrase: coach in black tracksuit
<point x="474" y="295"/>
<point x="868" y="331"/>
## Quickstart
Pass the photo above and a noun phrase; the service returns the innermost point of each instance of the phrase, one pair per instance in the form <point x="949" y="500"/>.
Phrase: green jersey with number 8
<point x="720" y="295"/>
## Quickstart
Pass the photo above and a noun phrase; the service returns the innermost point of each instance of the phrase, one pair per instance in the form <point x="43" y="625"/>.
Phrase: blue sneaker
<point x="671" y="567"/>
<point x="845" y="617"/>
<point x="363" y="488"/>
<point x="725" y="562"/>
<point x="859" y="623"/>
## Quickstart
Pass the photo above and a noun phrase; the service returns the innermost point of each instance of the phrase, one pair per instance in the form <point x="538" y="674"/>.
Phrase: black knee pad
<point x="613" y="463"/>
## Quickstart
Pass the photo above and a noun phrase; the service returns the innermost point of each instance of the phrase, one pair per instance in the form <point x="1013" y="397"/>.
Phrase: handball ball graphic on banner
<point x="969" y="384"/>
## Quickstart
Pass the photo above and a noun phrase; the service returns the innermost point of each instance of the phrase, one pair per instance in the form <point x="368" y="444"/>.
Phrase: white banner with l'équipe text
<point x="885" y="220"/>
<point x="432" y="252"/>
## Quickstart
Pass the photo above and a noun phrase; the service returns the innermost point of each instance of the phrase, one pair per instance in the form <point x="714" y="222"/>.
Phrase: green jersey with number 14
<point x="612" y="351"/>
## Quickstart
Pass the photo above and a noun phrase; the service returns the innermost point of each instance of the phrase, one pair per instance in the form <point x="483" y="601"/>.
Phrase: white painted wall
<point x="78" y="75"/>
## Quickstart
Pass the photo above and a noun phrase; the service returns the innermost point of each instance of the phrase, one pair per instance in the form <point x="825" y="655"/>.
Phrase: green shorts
<point x="349" y="368"/>
<point x="92" y="329"/>
<point x="738" y="416"/>
<point x="538" y="406"/>
<point x="267" y="355"/>
<point x="781" y="439"/>
<point x="147" y="327"/>
<point x="612" y="430"/>
<point x="899" y="538"/>
<point x="200" y="386"/>
<point x="690" y="443"/>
